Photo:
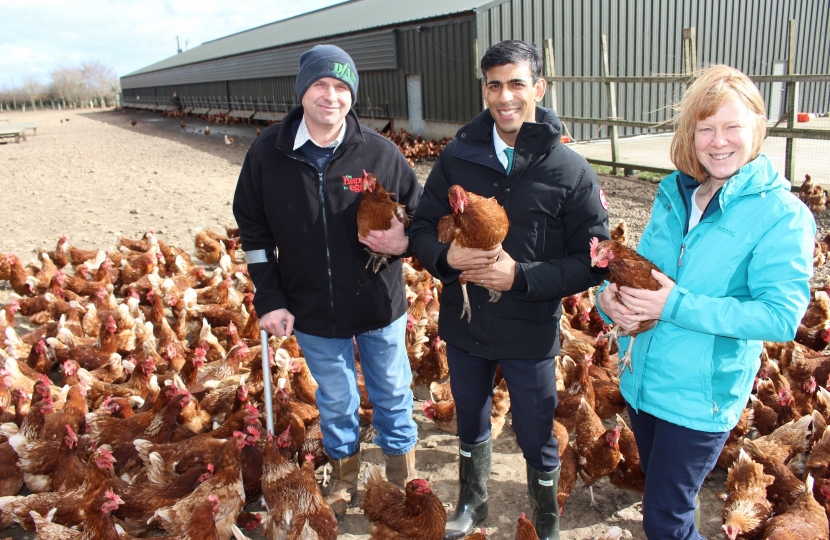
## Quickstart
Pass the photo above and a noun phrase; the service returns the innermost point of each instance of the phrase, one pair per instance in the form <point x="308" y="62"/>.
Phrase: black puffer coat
<point x="555" y="206"/>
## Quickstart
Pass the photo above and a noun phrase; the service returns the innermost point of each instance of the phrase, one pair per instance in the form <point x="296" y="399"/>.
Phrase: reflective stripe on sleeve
<point x="256" y="256"/>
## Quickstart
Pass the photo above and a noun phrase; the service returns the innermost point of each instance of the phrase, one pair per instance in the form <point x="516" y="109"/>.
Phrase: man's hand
<point x="390" y="242"/>
<point x="496" y="276"/>
<point x="471" y="259"/>
<point x="278" y="323"/>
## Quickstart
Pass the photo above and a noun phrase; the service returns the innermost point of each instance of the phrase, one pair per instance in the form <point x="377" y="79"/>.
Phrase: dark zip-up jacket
<point x="282" y="201"/>
<point x="555" y="206"/>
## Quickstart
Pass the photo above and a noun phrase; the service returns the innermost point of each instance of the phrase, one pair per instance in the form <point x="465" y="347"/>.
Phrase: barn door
<point x="413" y="98"/>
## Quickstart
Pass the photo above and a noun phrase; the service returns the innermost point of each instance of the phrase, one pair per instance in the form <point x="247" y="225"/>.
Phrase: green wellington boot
<point x="542" y="488"/>
<point x="473" y="473"/>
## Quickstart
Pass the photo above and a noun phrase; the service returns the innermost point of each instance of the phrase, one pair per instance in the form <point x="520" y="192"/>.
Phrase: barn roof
<point x="348" y="17"/>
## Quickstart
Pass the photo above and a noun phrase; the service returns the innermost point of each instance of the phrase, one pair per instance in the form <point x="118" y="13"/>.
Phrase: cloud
<point x="41" y="35"/>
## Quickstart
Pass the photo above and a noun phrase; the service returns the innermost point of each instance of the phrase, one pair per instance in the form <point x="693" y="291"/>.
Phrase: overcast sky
<point x="40" y="35"/>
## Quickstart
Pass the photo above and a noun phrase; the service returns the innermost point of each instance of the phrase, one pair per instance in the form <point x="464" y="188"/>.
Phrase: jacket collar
<point x="757" y="176"/>
<point x="285" y="139"/>
<point x="538" y="137"/>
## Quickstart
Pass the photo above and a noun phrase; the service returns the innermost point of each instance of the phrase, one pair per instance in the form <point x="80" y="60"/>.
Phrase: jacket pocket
<point x="733" y="369"/>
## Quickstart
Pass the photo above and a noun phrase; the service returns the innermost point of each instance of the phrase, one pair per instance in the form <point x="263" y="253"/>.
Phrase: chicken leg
<point x="376" y="260"/>
<point x="466" y="309"/>
<point x="625" y="359"/>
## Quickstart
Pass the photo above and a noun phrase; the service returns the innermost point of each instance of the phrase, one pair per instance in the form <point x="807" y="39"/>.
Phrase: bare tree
<point x="11" y="94"/>
<point x="32" y="89"/>
<point x="100" y="80"/>
<point x="68" y="85"/>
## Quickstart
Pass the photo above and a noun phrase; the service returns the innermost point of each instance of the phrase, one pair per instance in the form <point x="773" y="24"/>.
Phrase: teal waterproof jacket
<point x="742" y="277"/>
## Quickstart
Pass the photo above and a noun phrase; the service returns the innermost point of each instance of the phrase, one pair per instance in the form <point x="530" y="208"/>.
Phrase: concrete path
<point x="812" y="156"/>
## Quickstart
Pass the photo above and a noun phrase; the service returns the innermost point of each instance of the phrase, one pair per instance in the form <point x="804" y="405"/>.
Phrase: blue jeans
<point x="388" y="376"/>
<point x="675" y="461"/>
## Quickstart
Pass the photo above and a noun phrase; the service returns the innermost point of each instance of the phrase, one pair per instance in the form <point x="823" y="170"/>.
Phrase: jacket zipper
<point x="682" y="250"/>
<point x="328" y="251"/>
<point x="322" y="197"/>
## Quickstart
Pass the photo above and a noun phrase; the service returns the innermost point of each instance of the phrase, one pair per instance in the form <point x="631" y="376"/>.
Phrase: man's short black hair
<point x="513" y="52"/>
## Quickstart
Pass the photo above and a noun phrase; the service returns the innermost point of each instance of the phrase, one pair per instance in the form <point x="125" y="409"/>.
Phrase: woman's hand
<point x="637" y="305"/>
<point x="648" y="304"/>
<point x="617" y="312"/>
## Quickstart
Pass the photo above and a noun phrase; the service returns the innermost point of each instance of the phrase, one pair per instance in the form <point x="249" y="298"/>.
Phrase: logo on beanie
<point x="344" y="72"/>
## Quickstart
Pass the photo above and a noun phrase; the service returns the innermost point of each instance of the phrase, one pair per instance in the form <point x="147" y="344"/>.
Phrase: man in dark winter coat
<point x="299" y="191"/>
<point x="555" y="206"/>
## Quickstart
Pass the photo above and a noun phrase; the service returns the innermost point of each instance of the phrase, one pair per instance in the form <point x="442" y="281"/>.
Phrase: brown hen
<point x="416" y="514"/>
<point x="475" y="222"/>
<point x="746" y="509"/>
<point x="375" y="213"/>
<point x="627" y="269"/>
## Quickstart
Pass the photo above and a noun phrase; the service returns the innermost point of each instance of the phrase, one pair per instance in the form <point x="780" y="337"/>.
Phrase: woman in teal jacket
<point x="735" y="248"/>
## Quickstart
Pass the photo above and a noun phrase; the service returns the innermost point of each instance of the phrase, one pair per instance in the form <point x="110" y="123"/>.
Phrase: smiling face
<point x="724" y="141"/>
<point x="511" y="95"/>
<point x="326" y="103"/>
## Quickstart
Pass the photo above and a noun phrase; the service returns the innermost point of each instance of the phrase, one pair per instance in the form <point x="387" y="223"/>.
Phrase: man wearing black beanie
<point x="298" y="192"/>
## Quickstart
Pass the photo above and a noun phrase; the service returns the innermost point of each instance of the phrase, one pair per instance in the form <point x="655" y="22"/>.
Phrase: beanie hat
<point x="326" y="61"/>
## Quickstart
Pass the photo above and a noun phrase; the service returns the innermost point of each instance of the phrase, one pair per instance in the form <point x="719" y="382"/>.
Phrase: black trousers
<point x="675" y="460"/>
<point x="532" y="388"/>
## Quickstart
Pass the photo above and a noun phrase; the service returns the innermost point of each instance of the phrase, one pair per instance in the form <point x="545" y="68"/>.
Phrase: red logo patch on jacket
<point x="602" y="200"/>
<point x="353" y="184"/>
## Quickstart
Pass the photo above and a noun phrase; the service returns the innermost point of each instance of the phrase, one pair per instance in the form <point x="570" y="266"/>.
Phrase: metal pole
<point x="266" y="379"/>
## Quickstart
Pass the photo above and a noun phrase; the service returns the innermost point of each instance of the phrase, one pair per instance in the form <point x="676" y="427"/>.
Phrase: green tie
<point x="509" y="153"/>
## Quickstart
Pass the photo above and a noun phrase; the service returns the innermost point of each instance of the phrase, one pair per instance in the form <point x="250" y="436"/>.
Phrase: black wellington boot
<point x="473" y="473"/>
<point x="542" y="487"/>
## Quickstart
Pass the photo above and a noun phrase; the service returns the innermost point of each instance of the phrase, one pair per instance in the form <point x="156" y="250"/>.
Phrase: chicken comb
<point x="309" y="457"/>
<point x="213" y="498"/>
<point x="421" y="484"/>
<point x="253" y="431"/>
<point x="251" y="409"/>
<point x="594" y="246"/>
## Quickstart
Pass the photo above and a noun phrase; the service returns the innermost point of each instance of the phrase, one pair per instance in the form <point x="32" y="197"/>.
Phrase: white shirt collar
<point x="304" y="136"/>
<point x="499" y="145"/>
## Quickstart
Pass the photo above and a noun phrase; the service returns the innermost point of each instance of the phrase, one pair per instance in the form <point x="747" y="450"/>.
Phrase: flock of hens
<point x="136" y="405"/>
<point x="413" y="148"/>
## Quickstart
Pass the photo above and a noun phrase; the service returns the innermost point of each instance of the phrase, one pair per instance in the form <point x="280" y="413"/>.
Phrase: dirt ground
<point x="93" y="176"/>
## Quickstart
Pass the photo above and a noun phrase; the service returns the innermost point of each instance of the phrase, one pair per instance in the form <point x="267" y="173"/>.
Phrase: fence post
<point x="550" y="71"/>
<point x="612" y="104"/>
<point x="792" y="108"/>
<point x="690" y="50"/>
